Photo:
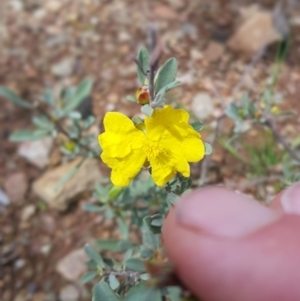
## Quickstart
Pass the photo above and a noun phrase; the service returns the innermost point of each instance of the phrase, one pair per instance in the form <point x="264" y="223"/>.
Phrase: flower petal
<point x="193" y="148"/>
<point x="126" y="168"/>
<point x="169" y="161"/>
<point x="120" y="136"/>
<point x="176" y="123"/>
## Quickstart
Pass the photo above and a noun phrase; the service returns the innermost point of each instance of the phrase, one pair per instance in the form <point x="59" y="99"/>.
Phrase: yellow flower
<point x="168" y="143"/>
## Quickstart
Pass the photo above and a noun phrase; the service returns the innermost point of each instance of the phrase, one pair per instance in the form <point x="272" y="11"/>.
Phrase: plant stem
<point x="270" y="123"/>
<point x="60" y="128"/>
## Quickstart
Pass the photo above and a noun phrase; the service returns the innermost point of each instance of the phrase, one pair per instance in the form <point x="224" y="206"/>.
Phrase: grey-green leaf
<point x="135" y="264"/>
<point x="114" y="245"/>
<point x="232" y="111"/>
<point x="174" y="293"/>
<point x="137" y="293"/>
<point x="197" y="126"/>
<point x="42" y="122"/>
<point x="14" y="98"/>
<point x="131" y="98"/>
<point x="103" y="292"/>
<point x="208" y="148"/>
<point x="147" y="110"/>
<point x="80" y="94"/>
<point x="92" y="208"/>
<point x="150" y="240"/>
<point x="25" y="135"/>
<point x="137" y="120"/>
<point x="113" y="282"/>
<point x="48" y="97"/>
<point x="93" y="254"/>
<point x="166" y="74"/>
<point x="123" y="228"/>
<point x="88" y="277"/>
<point x="143" y="58"/>
<point x="172" y="198"/>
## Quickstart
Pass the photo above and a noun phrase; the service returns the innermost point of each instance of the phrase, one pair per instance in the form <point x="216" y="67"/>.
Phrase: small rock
<point x="124" y="36"/>
<point x="48" y="223"/>
<point x="53" y="5"/>
<point x="110" y="107"/>
<point x="63" y="68"/>
<point x="4" y="199"/>
<point x="214" y="51"/>
<point x="16" y="186"/>
<point x="177" y="4"/>
<point x="196" y="54"/>
<point x="165" y="12"/>
<point x="59" y="196"/>
<point x="38" y="297"/>
<point x="21" y="296"/>
<point x="28" y="212"/>
<point x="202" y="105"/>
<point x="19" y="264"/>
<point x="16" y="5"/>
<point x="127" y="71"/>
<point x="36" y="152"/>
<point x="45" y="249"/>
<point x="69" y="293"/>
<point x="72" y="266"/>
<point x="255" y="33"/>
<point x="50" y="297"/>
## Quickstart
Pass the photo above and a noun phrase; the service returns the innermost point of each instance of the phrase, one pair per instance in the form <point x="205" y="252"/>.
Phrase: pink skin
<point x="227" y="247"/>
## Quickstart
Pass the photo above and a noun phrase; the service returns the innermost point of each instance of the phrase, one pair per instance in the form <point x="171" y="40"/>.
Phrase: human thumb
<point x="227" y="247"/>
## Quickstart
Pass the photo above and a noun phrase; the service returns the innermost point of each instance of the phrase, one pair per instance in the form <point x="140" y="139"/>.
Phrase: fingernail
<point x="224" y="213"/>
<point x="290" y="199"/>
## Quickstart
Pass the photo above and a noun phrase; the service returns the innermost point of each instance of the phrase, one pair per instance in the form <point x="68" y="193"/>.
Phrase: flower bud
<point x="142" y="95"/>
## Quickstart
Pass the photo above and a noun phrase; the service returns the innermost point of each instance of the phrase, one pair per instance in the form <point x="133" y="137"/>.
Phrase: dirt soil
<point x="100" y="39"/>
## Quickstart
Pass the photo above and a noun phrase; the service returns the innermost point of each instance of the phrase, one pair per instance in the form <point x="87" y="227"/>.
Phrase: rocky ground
<point x="56" y="43"/>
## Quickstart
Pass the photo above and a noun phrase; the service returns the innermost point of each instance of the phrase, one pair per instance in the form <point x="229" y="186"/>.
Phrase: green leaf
<point x="88" y="121"/>
<point x="145" y="276"/>
<point x="137" y="120"/>
<point x="160" y="96"/>
<point x="208" y="148"/>
<point x="25" y="135"/>
<point x="93" y="254"/>
<point x="131" y="98"/>
<point x="185" y="185"/>
<point x="135" y="264"/>
<point x="128" y="254"/>
<point x="42" y="122"/>
<point x="174" y="293"/>
<point x="103" y="292"/>
<point x="166" y="74"/>
<point x="172" y="198"/>
<point x="80" y="94"/>
<point x="114" y="192"/>
<point x="232" y="111"/>
<point x="147" y="110"/>
<point x="92" y="208"/>
<point x="123" y="228"/>
<point x="197" y="126"/>
<point x="114" y="245"/>
<point x="150" y="239"/>
<point x="88" y="277"/>
<point x="48" y="97"/>
<point x="14" y="98"/>
<point x="172" y="85"/>
<point x="143" y="58"/>
<point x="137" y="293"/>
<point x="157" y="221"/>
<point x="113" y="282"/>
<point x="74" y="115"/>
